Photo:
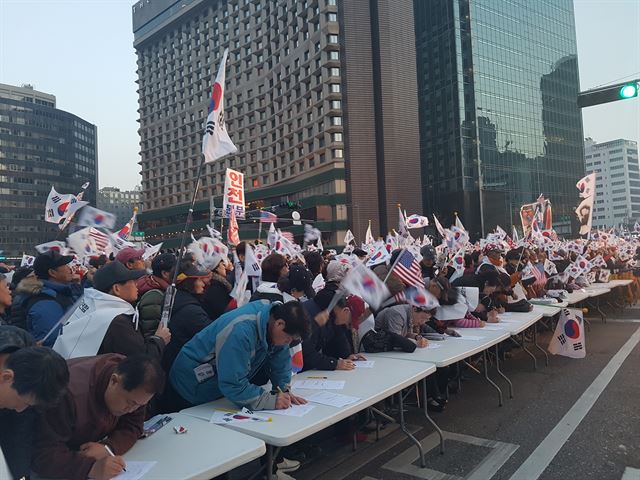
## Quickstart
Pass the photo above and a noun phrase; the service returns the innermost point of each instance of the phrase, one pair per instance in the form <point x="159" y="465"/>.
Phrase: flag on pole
<point x="268" y="217"/>
<point x="55" y="245"/>
<point x="368" y="238"/>
<point x="459" y="222"/>
<point x="568" y="339"/>
<point x="232" y="232"/>
<point x="27" y="260"/>
<point x="419" y="297"/>
<point x="438" y="226"/>
<point x="125" y="232"/>
<point x="402" y="224"/>
<point x="348" y="237"/>
<point x="587" y="185"/>
<point x="408" y="269"/>
<point x="379" y="255"/>
<point x="363" y="282"/>
<point x="251" y="263"/>
<point x="216" y="142"/>
<point x="417" y="221"/>
<point x="550" y="267"/>
<point x="93" y="217"/>
<point x="458" y="263"/>
<point x="272" y="237"/>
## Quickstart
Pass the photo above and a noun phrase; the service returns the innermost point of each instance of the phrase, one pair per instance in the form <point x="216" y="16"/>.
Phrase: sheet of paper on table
<point x="364" y="363"/>
<point x="332" y="399"/>
<point x="468" y="337"/>
<point x="292" y="411"/>
<point x="319" y="384"/>
<point x="135" y="470"/>
<point x="495" y="328"/>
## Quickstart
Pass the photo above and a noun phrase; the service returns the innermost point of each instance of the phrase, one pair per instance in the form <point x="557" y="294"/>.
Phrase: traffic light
<point x="612" y="93"/>
<point x="629" y="90"/>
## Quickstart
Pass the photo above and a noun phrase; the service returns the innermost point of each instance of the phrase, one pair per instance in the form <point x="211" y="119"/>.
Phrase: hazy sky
<point x="82" y="52"/>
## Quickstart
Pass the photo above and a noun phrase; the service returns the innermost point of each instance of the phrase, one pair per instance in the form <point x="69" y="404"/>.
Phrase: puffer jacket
<point x="188" y="317"/>
<point x="217" y="296"/>
<point x="151" y="294"/>
<point x="27" y="288"/>
<point x="43" y="314"/>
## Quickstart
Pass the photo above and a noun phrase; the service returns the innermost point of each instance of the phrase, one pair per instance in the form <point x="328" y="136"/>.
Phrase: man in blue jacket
<point x="58" y="293"/>
<point x="240" y="351"/>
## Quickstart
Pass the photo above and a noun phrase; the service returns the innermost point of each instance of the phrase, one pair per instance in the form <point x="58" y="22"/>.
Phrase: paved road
<point x="491" y="442"/>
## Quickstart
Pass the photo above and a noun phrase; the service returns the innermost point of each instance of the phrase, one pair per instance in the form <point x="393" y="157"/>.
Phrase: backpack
<point x="18" y="314"/>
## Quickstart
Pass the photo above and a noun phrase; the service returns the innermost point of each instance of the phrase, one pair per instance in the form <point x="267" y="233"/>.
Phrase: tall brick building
<point x="321" y="100"/>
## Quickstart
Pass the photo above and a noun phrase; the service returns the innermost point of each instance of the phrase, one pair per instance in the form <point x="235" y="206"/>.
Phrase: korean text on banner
<point x="233" y="194"/>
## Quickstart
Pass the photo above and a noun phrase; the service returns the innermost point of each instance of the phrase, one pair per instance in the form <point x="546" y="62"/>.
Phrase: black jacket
<point x="323" y="347"/>
<point x="216" y="298"/>
<point x="125" y="337"/>
<point x="188" y="317"/>
<point x="16" y="440"/>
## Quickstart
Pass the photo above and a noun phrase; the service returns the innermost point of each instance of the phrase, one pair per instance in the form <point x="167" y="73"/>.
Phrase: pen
<point x="113" y="455"/>
<point x="318" y="378"/>
<point x="279" y="389"/>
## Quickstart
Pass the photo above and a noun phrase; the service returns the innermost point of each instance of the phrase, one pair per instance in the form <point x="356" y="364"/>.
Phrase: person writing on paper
<point x="404" y="320"/>
<point x="29" y="376"/>
<point x="237" y="354"/>
<point x="329" y="346"/>
<point x="101" y="413"/>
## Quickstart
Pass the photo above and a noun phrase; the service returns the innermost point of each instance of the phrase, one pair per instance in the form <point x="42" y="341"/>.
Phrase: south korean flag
<point x="568" y="339"/>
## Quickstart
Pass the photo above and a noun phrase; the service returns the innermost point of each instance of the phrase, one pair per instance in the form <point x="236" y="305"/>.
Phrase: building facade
<point x="615" y="163"/>
<point x="119" y="202"/>
<point x="499" y="123"/>
<point x="321" y="100"/>
<point x="40" y="147"/>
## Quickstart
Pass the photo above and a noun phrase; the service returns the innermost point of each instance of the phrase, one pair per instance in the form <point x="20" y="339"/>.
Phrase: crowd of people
<point x="71" y="406"/>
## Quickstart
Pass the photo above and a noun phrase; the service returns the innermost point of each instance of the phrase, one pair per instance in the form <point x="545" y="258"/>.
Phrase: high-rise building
<point x="119" y="202"/>
<point x="321" y="100"/>
<point x="499" y="123"/>
<point x="40" y="147"/>
<point x="615" y="163"/>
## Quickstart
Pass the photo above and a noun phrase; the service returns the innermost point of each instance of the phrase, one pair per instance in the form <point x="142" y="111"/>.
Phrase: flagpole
<point x="393" y="266"/>
<point x="170" y="293"/>
<point x="259" y="229"/>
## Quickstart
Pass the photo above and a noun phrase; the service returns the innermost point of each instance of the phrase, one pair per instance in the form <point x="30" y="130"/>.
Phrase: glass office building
<point x="499" y="123"/>
<point x="40" y="146"/>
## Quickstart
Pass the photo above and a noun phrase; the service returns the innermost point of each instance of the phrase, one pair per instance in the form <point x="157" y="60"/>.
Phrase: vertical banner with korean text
<point x="233" y="194"/>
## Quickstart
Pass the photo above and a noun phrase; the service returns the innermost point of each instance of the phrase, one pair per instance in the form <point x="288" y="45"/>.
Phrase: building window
<point x="334" y="88"/>
<point x="336" y="120"/>
<point x="332" y="17"/>
<point x="332" y="38"/>
<point x="337" y="153"/>
<point x="336" y="137"/>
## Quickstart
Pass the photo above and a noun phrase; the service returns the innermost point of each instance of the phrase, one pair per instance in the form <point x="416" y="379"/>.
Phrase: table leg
<point x="502" y="374"/>
<point x="429" y="419"/>
<point x="524" y="347"/>
<point x="535" y="344"/>
<point x="491" y="382"/>
<point x="403" y="427"/>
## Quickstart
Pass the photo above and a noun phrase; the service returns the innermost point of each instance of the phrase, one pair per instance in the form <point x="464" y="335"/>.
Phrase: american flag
<point x="288" y="236"/>
<point x="268" y="217"/>
<point x="101" y="239"/>
<point x="408" y="269"/>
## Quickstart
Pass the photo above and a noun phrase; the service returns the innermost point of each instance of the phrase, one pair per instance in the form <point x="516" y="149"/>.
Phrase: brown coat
<point x="81" y="417"/>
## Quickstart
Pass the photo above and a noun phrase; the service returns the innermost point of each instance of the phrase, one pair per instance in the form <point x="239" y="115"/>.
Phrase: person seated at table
<point x="30" y="376"/>
<point x="404" y="320"/>
<point x="329" y="346"/>
<point x="487" y="283"/>
<point x="102" y="412"/>
<point x="237" y="354"/>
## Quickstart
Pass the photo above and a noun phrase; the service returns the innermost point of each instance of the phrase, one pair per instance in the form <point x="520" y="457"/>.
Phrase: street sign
<point x="137" y="234"/>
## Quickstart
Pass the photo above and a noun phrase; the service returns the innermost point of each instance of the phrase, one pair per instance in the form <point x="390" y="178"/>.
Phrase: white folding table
<point x="452" y="350"/>
<point x="371" y="385"/>
<point x="204" y="452"/>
